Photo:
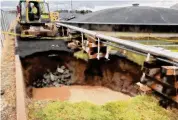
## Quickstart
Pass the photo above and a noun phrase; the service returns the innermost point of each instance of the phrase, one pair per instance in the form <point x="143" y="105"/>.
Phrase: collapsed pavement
<point x="54" y="69"/>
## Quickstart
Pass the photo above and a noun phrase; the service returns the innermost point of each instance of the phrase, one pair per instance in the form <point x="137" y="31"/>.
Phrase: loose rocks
<point x="62" y="76"/>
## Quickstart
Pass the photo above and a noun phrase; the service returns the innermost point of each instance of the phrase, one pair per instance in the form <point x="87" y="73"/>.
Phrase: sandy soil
<point x="8" y="100"/>
<point x="94" y="94"/>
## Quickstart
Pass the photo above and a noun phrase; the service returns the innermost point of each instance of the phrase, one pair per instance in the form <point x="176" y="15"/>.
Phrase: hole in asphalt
<point x="53" y="69"/>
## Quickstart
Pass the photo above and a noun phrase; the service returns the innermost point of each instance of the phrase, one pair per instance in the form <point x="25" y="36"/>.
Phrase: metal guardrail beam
<point x="173" y="56"/>
<point x="107" y="23"/>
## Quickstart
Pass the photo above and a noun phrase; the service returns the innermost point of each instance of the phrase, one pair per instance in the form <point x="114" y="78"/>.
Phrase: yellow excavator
<point x="35" y="19"/>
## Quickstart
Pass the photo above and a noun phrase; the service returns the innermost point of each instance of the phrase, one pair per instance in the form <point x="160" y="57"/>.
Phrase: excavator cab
<point x="34" y="12"/>
<point x="35" y="19"/>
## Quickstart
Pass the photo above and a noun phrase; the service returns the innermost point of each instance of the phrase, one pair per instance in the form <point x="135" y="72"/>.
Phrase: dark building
<point x="133" y="18"/>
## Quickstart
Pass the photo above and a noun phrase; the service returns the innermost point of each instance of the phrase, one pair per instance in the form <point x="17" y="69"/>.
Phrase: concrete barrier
<point x="20" y="91"/>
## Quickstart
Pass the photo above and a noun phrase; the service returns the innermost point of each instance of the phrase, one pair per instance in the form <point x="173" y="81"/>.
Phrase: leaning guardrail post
<point x="62" y="31"/>
<point x="143" y="75"/>
<point x="98" y="55"/>
<point x="82" y="40"/>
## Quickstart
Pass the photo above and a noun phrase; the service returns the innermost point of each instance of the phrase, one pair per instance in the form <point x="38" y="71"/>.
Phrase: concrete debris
<point x="60" y="70"/>
<point x="62" y="76"/>
<point x="63" y="67"/>
<point x="66" y="72"/>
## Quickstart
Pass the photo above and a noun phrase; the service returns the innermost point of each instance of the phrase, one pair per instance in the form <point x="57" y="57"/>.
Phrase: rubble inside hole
<point x="62" y="68"/>
<point x="62" y="76"/>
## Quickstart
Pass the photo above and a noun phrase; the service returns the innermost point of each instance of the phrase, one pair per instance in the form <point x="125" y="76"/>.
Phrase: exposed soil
<point x="95" y="94"/>
<point x="77" y="93"/>
<point x="118" y="73"/>
<point x="54" y="93"/>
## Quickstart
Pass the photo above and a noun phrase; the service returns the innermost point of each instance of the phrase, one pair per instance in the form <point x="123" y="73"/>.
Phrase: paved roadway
<point x="29" y="47"/>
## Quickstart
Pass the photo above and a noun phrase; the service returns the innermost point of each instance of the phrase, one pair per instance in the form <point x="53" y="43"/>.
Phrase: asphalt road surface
<point x="29" y="47"/>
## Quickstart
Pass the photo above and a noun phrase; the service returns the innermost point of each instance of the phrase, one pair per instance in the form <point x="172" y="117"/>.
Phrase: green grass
<point x="81" y="55"/>
<point x="144" y="36"/>
<point x="137" y="58"/>
<point x="173" y="49"/>
<point x="137" y="108"/>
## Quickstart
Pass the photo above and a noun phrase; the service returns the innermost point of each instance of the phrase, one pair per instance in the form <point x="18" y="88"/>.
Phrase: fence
<point x="6" y="18"/>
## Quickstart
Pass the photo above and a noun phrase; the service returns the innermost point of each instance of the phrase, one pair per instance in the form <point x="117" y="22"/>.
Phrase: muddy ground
<point x="76" y="93"/>
<point x="118" y="73"/>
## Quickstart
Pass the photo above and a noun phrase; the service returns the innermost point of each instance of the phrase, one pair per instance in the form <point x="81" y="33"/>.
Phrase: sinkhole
<point x="55" y="69"/>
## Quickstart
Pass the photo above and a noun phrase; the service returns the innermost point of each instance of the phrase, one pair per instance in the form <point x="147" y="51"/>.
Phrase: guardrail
<point x="108" y="23"/>
<point x="6" y="19"/>
<point x="164" y="55"/>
